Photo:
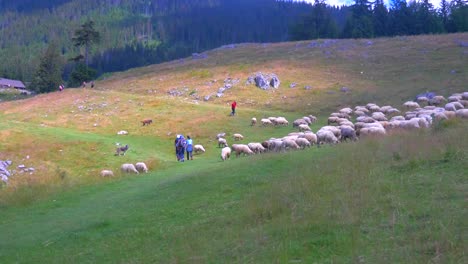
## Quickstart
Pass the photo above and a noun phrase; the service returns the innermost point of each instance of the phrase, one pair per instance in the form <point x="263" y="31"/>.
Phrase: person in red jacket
<point x="233" y="107"/>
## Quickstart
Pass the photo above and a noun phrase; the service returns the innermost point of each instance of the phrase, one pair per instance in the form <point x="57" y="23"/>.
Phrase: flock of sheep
<point x="370" y="120"/>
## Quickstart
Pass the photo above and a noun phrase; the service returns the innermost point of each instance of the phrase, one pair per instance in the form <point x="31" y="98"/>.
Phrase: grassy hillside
<point x="394" y="200"/>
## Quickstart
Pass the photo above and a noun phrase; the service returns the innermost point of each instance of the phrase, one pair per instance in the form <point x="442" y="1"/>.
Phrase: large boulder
<point x="264" y="81"/>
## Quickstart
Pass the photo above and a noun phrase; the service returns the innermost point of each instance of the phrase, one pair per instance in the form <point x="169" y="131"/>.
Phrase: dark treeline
<point x="141" y="32"/>
<point x="369" y="19"/>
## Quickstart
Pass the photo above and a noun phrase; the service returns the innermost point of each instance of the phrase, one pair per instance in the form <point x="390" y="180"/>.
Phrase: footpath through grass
<point x="399" y="199"/>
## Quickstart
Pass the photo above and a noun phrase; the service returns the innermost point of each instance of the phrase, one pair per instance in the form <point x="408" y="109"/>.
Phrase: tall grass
<point x="397" y="199"/>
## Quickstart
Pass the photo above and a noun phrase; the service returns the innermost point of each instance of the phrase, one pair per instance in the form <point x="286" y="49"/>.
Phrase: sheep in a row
<point x="238" y="136"/>
<point x="222" y="142"/>
<point x="199" y="148"/>
<point x="128" y="168"/>
<point x="241" y="149"/>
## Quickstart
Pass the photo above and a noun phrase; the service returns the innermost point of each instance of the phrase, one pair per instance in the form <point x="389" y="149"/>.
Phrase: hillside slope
<point x="398" y="199"/>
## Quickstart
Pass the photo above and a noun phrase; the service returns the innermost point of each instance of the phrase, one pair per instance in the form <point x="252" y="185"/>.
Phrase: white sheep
<point x="311" y="137"/>
<point x="377" y="131"/>
<point x="107" y="173"/>
<point x="254" y="121"/>
<point x="141" y="167"/>
<point x="220" y="135"/>
<point x="222" y="142"/>
<point x="128" y="167"/>
<point x="411" y="104"/>
<point x="465" y="96"/>
<point x="122" y="132"/>
<point x="346" y="110"/>
<point x="225" y="153"/>
<point x="303" y="127"/>
<point x="303" y="142"/>
<point x="241" y="149"/>
<point x="379" y="116"/>
<point x="335" y="130"/>
<point x="290" y="144"/>
<point x="313" y="118"/>
<point x="462" y="113"/>
<point x="238" y="136"/>
<point x="299" y="121"/>
<point x="326" y="136"/>
<point x="454" y="98"/>
<point x="307" y="119"/>
<point x="256" y="147"/>
<point x="198" y="148"/>
<point x="281" y="121"/>
<point x="266" y="122"/>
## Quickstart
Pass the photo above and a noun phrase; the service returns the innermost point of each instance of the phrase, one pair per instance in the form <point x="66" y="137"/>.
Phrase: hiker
<point x="189" y="148"/>
<point x="84" y="84"/>
<point x="92" y="84"/>
<point x="233" y="107"/>
<point x="60" y="87"/>
<point x="180" y="148"/>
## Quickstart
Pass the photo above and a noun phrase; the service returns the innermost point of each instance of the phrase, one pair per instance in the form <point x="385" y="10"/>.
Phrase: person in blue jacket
<point x="189" y="148"/>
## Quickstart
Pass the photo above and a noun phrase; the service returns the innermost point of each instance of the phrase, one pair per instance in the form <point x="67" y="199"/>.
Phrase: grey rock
<point x="207" y="98"/>
<point x="308" y="87"/>
<point x="274" y="82"/>
<point x="344" y="89"/>
<point x="221" y="90"/>
<point x="292" y="85"/>
<point x="219" y="95"/>
<point x="261" y="82"/>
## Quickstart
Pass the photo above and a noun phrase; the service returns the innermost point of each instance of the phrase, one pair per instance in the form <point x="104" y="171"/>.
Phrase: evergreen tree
<point x="400" y="18"/>
<point x="444" y="13"/>
<point x="459" y="16"/>
<point x="48" y="75"/>
<point x="86" y="36"/>
<point x="359" y="25"/>
<point x="380" y="18"/>
<point x="81" y="73"/>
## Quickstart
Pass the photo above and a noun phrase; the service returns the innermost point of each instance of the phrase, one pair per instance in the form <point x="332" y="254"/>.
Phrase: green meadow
<point x="394" y="199"/>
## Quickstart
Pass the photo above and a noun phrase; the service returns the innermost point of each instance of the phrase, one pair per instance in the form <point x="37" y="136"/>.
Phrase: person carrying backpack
<point x="189" y="148"/>
<point x="180" y="148"/>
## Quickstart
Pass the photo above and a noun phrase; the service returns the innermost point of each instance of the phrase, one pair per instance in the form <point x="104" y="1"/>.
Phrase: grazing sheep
<point x="266" y="144"/>
<point x="464" y="103"/>
<point x="141" y="167"/>
<point x="332" y="119"/>
<point x="222" y="142"/>
<point x="462" y="113"/>
<point x="266" y="122"/>
<point x="275" y="145"/>
<point x="299" y="121"/>
<point x="336" y="131"/>
<point x="453" y="106"/>
<point x="256" y="147"/>
<point x="392" y="111"/>
<point x="281" y="121"/>
<point x="225" y="153"/>
<point x="303" y="142"/>
<point x="359" y="113"/>
<point x="454" y="98"/>
<point x="340" y="115"/>
<point x="440" y="116"/>
<point x="122" y="132"/>
<point x="303" y="127"/>
<point x="313" y="119"/>
<point x="346" y="110"/>
<point x="198" y="148"/>
<point x="289" y="144"/>
<point x="241" y="149"/>
<point x="307" y="119"/>
<point x="379" y="116"/>
<point x="465" y="96"/>
<point x="238" y="136"/>
<point x="437" y="100"/>
<point x="107" y="173"/>
<point x="326" y="136"/>
<point x="254" y="121"/>
<point x="376" y="131"/>
<point x="311" y="137"/>
<point x="128" y="167"/>
<point x="348" y="133"/>
<point x="365" y="119"/>
<point x="422" y="99"/>
<point x="411" y="104"/>
<point x="374" y="108"/>
<point x="220" y="135"/>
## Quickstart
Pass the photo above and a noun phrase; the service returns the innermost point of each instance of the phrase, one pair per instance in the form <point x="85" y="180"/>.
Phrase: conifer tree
<point x="48" y="76"/>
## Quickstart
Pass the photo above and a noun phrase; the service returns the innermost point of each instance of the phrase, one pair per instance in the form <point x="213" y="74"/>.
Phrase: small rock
<point x="206" y="98"/>
<point x="344" y="89"/>
<point x="21" y="166"/>
<point x="292" y="85"/>
<point x="308" y="87"/>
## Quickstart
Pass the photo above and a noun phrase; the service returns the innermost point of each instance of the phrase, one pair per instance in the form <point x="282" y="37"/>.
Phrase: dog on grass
<point x="147" y="122"/>
<point x="120" y="150"/>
